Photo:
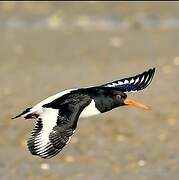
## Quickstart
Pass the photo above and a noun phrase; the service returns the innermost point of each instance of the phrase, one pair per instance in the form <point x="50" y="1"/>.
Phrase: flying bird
<point x="57" y="116"/>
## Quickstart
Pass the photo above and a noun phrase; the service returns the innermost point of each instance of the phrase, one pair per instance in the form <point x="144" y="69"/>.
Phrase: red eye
<point x="118" y="97"/>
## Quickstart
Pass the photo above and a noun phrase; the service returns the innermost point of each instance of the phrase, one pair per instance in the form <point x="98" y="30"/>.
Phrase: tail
<point x="23" y="113"/>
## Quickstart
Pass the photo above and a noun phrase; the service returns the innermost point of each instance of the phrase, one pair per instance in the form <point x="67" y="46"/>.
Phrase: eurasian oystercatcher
<point x="57" y="116"/>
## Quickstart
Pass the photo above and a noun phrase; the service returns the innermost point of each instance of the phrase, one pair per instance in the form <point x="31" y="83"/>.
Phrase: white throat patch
<point x="90" y="110"/>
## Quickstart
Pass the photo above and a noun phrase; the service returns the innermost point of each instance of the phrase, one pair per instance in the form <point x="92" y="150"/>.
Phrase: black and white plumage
<point x="57" y="116"/>
<point x="134" y="83"/>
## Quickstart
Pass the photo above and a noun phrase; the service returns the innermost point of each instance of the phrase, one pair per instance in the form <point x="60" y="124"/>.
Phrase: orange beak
<point x="136" y="104"/>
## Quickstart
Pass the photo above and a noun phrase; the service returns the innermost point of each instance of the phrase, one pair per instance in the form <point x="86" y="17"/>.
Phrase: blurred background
<point x="47" y="47"/>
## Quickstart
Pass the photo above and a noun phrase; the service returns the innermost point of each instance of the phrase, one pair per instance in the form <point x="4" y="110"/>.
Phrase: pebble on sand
<point x="167" y="69"/>
<point x="162" y="136"/>
<point x="176" y="60"/>
<point x="115" y="42"/>
<point x="83" y="21"/>
<point x="44" y="166"/>
<point x="69" y="159"/>
<point x="23" y="143"/>
<point x="141" y="163"/>
<point x="117" y="168"/>
<point x="171" y="122"/>
<point x="55" y="20"/>
<point x="120" y="138"/>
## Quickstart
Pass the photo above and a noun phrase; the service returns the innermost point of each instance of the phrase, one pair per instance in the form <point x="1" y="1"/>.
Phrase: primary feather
<point x="134" y="83"/>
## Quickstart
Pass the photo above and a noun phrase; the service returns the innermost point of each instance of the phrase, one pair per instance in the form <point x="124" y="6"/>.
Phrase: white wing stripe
<point x="132" y="80"/>
<point x="119" y="83"/>
<point x="126" y="81"/>
<point x="68" y="140"/>
<point x="142" y="78"/>
<point x="137" y="80"/>
<point x="49" y="120"/>
<point x="146" y="78"/>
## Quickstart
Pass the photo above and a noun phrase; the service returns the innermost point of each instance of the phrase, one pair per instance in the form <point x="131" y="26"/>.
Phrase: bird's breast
<point x="90" y="110"/>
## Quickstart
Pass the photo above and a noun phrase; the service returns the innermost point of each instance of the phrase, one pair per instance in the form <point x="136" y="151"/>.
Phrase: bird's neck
<point x="90" y="110"/>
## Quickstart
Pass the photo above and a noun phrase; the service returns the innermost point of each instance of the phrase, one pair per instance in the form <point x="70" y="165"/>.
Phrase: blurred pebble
<point x="117" y="168"/>
<point x="44" y="166"/>
<point x="23" y="143"/>
<point x="162" y="136"/>
<point x="171" y="121"/>
<point x="74" y="140"/>
<point x="121" y="138"/>
<point x="47" y="177"/>
<point x="141" y="163"/>
<point x="115" y="42"/>
<point x="55" y="20"/>
<point x="176" y="61"/>
<point x="69" y="159"/>
<point x="83" y="21"/>
<point x="167" y="69"/>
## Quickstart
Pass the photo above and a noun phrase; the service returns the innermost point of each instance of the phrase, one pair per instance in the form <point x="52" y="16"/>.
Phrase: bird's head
<point x="110" y="99"/>
<point x="122" y="100"/>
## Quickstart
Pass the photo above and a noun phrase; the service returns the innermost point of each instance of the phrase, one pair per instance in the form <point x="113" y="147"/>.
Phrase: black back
<point x="105" y="99"/>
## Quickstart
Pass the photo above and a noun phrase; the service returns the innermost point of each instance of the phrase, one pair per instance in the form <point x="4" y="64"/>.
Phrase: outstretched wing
<point x="54" y="127"/>
<point x="134" y="83"/>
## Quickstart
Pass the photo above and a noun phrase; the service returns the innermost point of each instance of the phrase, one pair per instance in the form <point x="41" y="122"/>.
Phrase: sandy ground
<point x="48" y="47"/>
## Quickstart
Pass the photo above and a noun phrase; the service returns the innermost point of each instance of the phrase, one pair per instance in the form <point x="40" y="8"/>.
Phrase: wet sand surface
<point x="48" y="47"/>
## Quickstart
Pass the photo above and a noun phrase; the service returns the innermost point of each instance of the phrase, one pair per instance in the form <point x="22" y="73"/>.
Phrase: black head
<point x="108" y="100"/>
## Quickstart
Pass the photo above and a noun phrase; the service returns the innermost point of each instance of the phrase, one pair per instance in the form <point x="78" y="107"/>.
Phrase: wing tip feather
<point x="136" y="83"/>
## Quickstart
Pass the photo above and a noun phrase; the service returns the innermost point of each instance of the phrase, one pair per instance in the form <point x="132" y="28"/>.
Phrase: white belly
<point x="90" y="110"/>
